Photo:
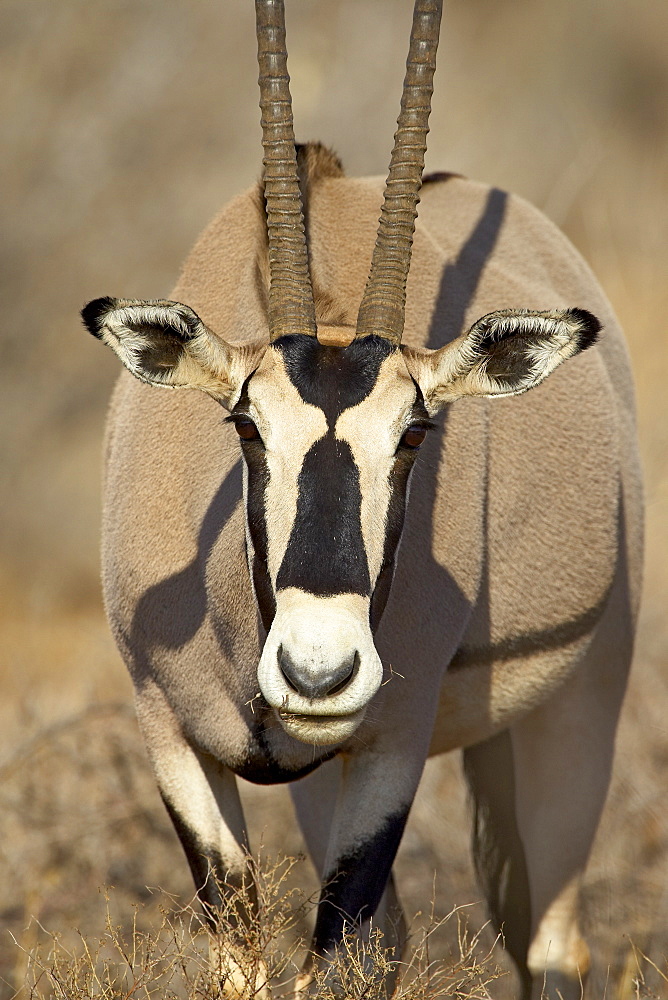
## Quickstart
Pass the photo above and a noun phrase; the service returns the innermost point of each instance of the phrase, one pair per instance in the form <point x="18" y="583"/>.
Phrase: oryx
<point x="274" y="626"/>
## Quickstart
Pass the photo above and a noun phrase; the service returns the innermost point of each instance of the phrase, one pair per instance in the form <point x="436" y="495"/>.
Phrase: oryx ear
<point x="503" y="354"/>
<point x="166" y="343"/>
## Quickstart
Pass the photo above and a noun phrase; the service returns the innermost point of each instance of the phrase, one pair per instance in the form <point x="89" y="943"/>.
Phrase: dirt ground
<point x="125" y="126"/>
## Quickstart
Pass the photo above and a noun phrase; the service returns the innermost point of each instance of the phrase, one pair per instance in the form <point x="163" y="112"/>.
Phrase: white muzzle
<point x="319" y="667"/>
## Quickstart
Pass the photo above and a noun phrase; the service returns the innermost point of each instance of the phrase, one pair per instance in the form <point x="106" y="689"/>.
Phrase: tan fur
<point x="520" y="561"/>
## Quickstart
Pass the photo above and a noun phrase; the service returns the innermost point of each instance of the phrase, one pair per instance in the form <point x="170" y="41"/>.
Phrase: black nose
<point x="320" y="684"/>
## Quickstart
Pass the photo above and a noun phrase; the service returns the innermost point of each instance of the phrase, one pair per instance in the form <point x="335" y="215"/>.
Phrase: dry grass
<point x="180" y="958"/>
<point x="173" y="960"/>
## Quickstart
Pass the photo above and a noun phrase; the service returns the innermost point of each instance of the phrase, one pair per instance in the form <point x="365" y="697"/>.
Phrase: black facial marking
<point x="264" y="593"/>
<point x="333" y="378"/>
<point x="396" y="511"/>
<point x="353" y="889"/>
<point x="325" y="554"/>
<point x="258" y="477"/>
<point x="404" y="461"/>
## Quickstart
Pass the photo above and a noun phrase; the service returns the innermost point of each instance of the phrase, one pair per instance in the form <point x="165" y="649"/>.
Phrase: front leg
<point x="375" y="796"/>
<point x="203" y="802"/>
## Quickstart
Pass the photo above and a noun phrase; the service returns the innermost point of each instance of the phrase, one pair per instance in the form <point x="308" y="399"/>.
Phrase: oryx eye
<point x="414" y="436"/>
<point x="246" y="430"/>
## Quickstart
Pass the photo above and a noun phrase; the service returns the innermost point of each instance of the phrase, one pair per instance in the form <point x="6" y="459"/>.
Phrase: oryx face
<point x="329" y="436"/>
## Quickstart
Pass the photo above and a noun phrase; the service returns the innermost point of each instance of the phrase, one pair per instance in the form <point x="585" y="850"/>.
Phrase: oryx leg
<point x="315" y="799"/>
<point x="554" y="766"/>
<point x="353" y="812"/>
<point x="563" y="756"/>
<point x="498" y="852"/>
<point x="203" y="802"/>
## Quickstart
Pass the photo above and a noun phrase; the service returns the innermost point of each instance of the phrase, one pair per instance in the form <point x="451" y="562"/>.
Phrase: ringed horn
<point x="383" y="303"/>
<point x="291" y="306"/>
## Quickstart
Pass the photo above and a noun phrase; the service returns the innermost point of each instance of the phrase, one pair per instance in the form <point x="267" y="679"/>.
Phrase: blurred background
<point x="126" y="124"/>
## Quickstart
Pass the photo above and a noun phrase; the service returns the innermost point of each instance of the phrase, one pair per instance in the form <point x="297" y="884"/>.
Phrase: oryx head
<point x="329" y="431"/>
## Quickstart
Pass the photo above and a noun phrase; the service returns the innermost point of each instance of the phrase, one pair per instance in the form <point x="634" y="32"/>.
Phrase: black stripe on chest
<point x="325" y="553"/>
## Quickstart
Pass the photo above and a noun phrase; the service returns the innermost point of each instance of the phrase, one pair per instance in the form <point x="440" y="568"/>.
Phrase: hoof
<point x="241" y="978"/>
<point x="302" y="983"/>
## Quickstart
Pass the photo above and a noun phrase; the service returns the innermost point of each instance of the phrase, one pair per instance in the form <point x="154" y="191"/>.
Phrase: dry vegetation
<point x="180" y="959"/>
<point x="127" y="125"/>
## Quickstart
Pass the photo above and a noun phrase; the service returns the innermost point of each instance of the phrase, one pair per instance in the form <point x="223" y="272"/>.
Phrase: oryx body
<point x="251" y="596"/>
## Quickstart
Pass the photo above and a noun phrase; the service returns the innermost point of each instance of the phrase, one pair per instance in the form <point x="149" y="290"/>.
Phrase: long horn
<point x="383" y="303"/>
<point x="291" y="307"/>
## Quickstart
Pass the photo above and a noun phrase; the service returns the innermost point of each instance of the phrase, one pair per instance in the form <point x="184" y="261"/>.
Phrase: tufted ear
<point x="166" y="343"/>
<point x="503" y="354"/>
